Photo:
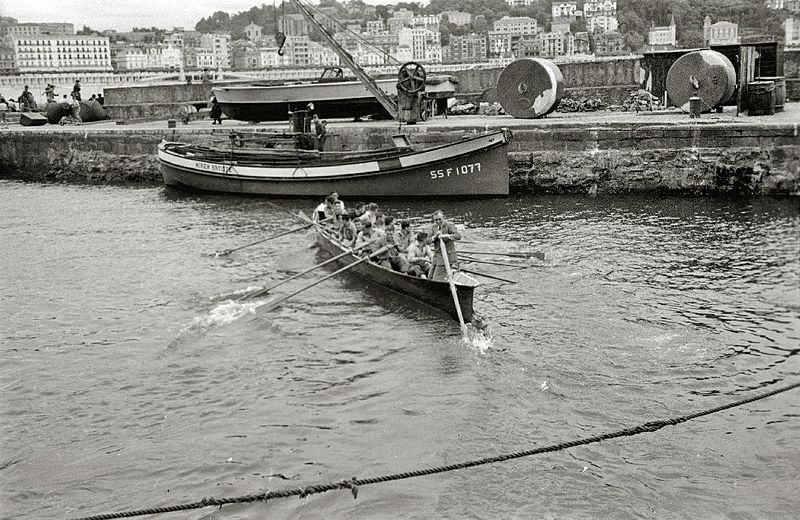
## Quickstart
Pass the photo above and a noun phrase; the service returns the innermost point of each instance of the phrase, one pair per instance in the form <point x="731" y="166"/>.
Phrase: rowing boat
<point x="436" y="294"/>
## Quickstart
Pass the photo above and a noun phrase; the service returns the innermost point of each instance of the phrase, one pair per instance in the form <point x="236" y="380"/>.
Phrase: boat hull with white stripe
<point x="477" y="166"/>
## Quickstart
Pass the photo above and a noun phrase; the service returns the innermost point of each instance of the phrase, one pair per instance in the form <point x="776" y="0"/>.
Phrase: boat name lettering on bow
<point x="221" y="168"/>
<point x="458" y="170"/>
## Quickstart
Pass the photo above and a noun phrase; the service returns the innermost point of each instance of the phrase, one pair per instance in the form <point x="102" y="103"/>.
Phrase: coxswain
<point x="447" y="231"/>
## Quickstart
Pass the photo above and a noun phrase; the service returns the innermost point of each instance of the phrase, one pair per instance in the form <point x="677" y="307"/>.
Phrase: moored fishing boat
<point x="434" y="293"/>
<point x="477" y="166"/>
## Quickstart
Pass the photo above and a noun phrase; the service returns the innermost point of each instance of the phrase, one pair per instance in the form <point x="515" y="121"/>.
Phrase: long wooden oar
<point x="453" y="290"/>
<point x="281" y="208"/>
<point x="513" y="254"/>
<point x="278" y="235"/>
<point x="264" y="291"/>
<point x="470" y="259"/>
<point x="489" y="276"/>
<point x="276" y="303"/>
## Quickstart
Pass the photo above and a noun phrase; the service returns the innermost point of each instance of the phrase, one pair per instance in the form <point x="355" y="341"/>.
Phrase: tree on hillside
<point x="87" y="31"/>
<point x="414" y="7"/>
<point x="382" y="11"/>
<point x="219" y="21"/>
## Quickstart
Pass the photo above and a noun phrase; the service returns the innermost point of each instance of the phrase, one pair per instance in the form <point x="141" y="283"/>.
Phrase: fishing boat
<point x="476" y="166"/>
<point x="433" y="293"/>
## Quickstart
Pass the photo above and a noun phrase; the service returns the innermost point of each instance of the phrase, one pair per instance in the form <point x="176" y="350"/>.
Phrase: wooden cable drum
<point x="92" y="110"/>
<point x="530" y="88"/>
<point x="708" y="74"/>
<point x="55" y="111"/>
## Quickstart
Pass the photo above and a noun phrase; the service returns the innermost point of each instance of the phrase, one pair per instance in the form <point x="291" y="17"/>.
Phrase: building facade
<point x="599" y="8"/>
<point x="792" y="28"/>
<point x="24" y="30"/>
<point x="457" y="17"/>
<point x="662" y="35"/>
<point x="252" y="31"/>
<point x="567" y="10"/>
<point x="552" y="44"/>
<point x="560" y="25"/>
<point x="517" y="25"/>
<point x="425" y="44"/>
<point x="507" y="45"/>
<point x="602" y="23"/>
<point x="609" y="44"/>
<point x="219" y="45"/>
<point x="8" y="62"/>
<point x="720" y="33"/>
<point x="582" y="43"/>
<point x="472" y="47"/>
<point x="375" y="26"/>
<point x="293" y="25"/>
<point x="62" y="53"/>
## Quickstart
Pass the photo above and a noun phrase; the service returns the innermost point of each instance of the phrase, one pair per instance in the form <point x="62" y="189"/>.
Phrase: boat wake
<point x="223" y="314"/>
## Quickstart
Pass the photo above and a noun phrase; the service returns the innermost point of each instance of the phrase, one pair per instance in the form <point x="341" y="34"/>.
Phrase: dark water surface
<point x="128" y="383"/>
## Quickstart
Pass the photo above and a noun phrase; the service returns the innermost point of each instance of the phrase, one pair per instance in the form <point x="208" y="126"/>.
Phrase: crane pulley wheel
<point x="411" y="77"/>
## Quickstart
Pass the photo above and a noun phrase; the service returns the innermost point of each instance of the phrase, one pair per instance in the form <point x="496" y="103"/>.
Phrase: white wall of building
<point x="62" y="53"/>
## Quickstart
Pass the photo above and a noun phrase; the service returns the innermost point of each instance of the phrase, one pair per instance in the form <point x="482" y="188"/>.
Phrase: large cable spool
<point x="707" y="74"/>
<point x="92" y="110"/>
<point x="530" y="88"/>
<point x="55" y="111"/>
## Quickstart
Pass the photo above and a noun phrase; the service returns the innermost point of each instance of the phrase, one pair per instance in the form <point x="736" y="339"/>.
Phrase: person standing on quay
<point x="216" y="111"/>
<point x="75" y="107"/>
<point x="50" y="93"/>
<point x="447" y="231"/>
<point x="76" y="90"/>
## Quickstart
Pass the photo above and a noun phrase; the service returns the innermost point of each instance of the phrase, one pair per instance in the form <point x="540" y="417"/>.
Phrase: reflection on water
<point x="132" y="378"/>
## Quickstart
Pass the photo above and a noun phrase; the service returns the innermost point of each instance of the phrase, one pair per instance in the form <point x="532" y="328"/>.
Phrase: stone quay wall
<point x="611" y="79"/>
<point x="742" y="158"/>
<point x="791" y="69"/>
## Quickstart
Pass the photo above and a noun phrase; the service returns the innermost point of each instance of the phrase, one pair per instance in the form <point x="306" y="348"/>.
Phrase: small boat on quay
<point x="434" y="293"/>
<point x="476" y="166"/>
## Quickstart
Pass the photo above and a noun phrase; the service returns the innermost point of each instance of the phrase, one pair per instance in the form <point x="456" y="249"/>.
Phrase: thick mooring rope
<point x="354" y="483"/>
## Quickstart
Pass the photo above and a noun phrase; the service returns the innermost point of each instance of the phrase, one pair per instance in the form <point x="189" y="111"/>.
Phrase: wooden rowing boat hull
<point x="435" y="294"/>
<point x="472" y="167"/>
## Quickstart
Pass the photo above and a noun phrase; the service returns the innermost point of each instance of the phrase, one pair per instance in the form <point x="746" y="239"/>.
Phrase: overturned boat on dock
<point x="333" y="96"/>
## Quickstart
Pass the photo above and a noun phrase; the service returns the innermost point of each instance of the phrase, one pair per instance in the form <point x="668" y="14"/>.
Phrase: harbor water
<point x="132" y="378"/>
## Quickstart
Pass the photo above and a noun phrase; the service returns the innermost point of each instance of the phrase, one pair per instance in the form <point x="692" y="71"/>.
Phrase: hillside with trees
<point x="755" y="20"/>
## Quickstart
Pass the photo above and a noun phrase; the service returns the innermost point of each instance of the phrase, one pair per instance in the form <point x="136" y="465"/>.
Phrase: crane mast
<point x="388" y="103"/>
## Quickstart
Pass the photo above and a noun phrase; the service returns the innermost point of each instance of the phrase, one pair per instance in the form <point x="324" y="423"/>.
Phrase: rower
<point x="447" y="231"/>
<point x="371" y="213"/>
<point x="324" y="211"/>
<point x="405" y="237"/>
<point x="419" y="256"/>
<point x="391" y="258"/>
<point x="366" y="240"/>
<point x="336" y="202"/>
<point x="348" y="232"/>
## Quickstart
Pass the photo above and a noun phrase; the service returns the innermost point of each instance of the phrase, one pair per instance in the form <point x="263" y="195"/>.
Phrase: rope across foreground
<point x="354" y="483"/>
